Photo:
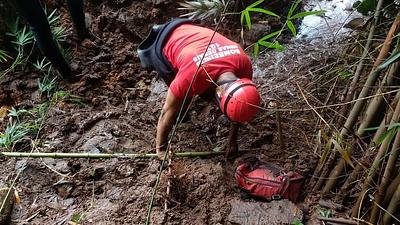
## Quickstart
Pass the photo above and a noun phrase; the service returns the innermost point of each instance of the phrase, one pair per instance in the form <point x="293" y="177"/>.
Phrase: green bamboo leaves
<point x="245" y="15"/>
<point x="270" y="40"/>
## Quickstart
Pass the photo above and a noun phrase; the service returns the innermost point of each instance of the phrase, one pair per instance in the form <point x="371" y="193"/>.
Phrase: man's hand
<point x="232" y="145"/>
<point x="166" y="121"/>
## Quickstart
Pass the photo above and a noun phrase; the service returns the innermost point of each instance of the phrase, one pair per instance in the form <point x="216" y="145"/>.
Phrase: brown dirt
<point x="120" y="115"/>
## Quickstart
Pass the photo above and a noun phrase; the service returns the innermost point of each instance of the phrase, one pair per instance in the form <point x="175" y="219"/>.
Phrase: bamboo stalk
<point x="393" y="206"/>
<point x="377" y="105"/>
<point x="350" y="122"/>
<point x="364" y="162"/>
<point x="390" y="166"/>
<point x="338" y="220"/>
<point x="104" y="155"/>
<point x="376" y="164"/>
<point x="360" y="66"/>
<point x="391" y="189"/>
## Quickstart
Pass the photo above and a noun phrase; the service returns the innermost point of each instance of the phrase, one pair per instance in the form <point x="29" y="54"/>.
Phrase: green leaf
<point x="256" y="49"/>
<point x="291" y="27"/>
<point x="388" y="135"/>
<point x="254" y="4"/>
<point x="263" y="11"/>
<point x="393" y="58"/>
<point x="246" y="16"/>
<point x="304" y="14"/>
<point x="274" y="45"/>
<point x="292" y="8"/>
<point x="268" y="36"/>
<point x="371" y="128"/>
<point x="4" y="56"/>
<point x="365" y="6"/>
<point x="345" y="74"/>
<point x="345" y="154"/>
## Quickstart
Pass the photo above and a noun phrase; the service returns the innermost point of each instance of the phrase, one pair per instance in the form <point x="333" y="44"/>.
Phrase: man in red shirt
<point x="194" y="60"/>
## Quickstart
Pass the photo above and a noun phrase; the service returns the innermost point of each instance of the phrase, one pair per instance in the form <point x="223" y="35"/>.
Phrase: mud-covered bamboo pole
<point x="350" y="122"/>
<point x="104" y="155"/>
<point x="391" y="189"/>
<point x="375" y="165"/>
<point x="354" y="82"/>
<point x="365" y="159"/>
<point x="377" y="105"/>
<point x="390" y="166"/>
<point x="392" y="207"/>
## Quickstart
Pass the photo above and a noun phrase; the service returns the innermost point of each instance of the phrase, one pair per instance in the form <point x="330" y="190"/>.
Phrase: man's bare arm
<point x="166" y="121"/>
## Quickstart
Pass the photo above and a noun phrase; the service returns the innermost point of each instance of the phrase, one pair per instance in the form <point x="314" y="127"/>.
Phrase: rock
<point x="275" y="212"/>
<point x="8" y="205"/>
<point x="101" y="143"/>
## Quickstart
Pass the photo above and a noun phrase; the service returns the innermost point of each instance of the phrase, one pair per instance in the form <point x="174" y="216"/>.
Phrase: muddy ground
<point x="122" y="104"/>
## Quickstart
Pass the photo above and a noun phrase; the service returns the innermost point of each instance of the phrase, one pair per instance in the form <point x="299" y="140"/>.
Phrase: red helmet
<point x="240" y="101"/>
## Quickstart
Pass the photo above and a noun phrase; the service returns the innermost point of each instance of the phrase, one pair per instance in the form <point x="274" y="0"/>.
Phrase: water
<point x="330" y="25"/>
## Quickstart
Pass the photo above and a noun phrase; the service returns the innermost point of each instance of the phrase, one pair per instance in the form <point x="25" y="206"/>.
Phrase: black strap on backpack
<point x="150" y="51"/>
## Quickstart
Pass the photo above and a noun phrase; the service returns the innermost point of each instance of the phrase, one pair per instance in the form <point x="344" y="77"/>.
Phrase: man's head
<point x="238" y="98"/>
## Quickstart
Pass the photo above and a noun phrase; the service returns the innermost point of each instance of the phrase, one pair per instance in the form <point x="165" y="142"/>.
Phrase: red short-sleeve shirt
<point x="184" y="50"/>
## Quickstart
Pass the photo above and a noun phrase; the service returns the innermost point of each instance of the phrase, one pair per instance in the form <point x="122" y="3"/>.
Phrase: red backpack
<point x="268" y="181"/>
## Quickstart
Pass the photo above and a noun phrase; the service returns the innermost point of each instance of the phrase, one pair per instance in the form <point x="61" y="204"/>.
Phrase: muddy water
<point x="331" y="25"/>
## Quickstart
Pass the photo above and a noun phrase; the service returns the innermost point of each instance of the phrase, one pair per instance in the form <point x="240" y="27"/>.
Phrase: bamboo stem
<point x="104" y="155"/>
<point x="360" y="66"/>
<point x="377" y="105"/>
<point x="390" y="166"/>
<point x="376" y="164"/>
<point x="350" y="122"/>
<point x="391" y="189"/>
<point x="393" y="206"/>
<point x="338" y="220"/>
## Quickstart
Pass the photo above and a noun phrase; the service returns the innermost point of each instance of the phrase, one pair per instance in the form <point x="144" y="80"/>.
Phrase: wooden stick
<point x="338" y="220"/>
<point x="104" y="155"/>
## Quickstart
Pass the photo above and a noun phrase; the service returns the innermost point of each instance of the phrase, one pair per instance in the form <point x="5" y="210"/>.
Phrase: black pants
<point x="34" y="14"/>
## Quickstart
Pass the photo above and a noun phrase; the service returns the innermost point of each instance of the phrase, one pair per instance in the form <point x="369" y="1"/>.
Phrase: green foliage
<point x="365" y="6"/>
<point x="325" y="213"/>
<point x="23" y="40"/>
<point x="78" y="217"/>
<point x="297" y="222"/>
<point x="41" y="65"/>
<point x="47" y="84"/>
<point x="390" y="133"/>
<point x="202" y="9"/>
<point x="267" y="41"/>
<point x="4" y="56"/>
<point x="245" y="14"/>
<point x="392" y="59"/>
<point x="345" y="74"/>
<point x="12" y="134"/>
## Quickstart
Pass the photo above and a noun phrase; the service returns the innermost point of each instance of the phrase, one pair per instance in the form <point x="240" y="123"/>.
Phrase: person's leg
<point x="78" y="17"/>
<point x="34" y="14"/>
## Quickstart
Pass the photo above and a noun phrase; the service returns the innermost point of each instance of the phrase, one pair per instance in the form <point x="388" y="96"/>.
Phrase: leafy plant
<point x="325" y="213"/>
<point x="13" y="112"/>
<point x="270" y="40"/>
<point x="47" y="84"/>
<point x="4" y="56"/>
<point x="41" y="65"/>
<point x="77" y="217"/>
<point x="297" y="222"/>
<point x="202" y="9"/>
<point x="13" y="133"/>
<point x="245" y="14"/>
